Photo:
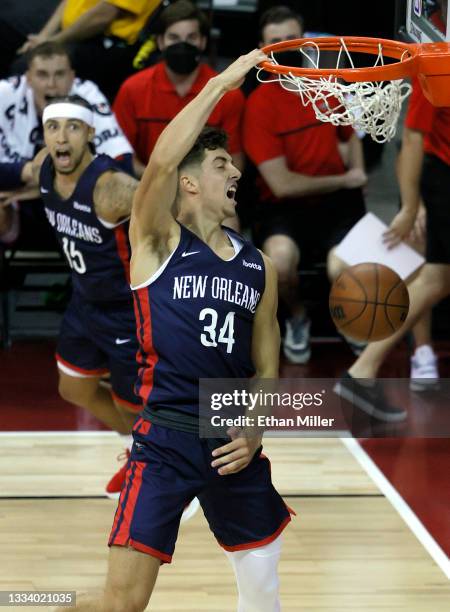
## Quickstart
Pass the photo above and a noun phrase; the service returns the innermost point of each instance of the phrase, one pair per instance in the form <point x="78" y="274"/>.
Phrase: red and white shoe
<point x="114" y="486"/>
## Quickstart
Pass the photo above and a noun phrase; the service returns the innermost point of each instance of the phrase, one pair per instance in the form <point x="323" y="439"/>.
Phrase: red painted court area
<point x="418" y="468"/>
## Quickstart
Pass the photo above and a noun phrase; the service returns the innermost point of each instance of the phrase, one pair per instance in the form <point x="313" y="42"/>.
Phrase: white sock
<point x="256" y="572"/>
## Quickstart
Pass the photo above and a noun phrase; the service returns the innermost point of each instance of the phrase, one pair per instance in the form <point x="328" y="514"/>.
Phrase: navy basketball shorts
<point x="167" y="469"/>
<point x="100" y="338"/>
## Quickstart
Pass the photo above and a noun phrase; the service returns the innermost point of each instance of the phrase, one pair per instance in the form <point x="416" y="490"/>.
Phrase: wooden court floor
<point x="347" y="549"/>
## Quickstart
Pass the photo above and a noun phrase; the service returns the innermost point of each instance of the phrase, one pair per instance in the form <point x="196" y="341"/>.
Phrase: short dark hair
<point x="46" y="49"/>
<point x="71" y="99"/>
<point x="279" y="14"/>
<point x="180" y="11"/>
<point x="209" y="139"/>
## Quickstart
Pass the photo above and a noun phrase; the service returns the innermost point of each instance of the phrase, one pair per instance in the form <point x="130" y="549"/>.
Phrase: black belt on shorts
<point x="181" y="421"/>
<point x="173" y="419"/>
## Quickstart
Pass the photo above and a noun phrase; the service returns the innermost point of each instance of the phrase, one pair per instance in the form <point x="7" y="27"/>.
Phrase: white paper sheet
<point x="364" y="242"/>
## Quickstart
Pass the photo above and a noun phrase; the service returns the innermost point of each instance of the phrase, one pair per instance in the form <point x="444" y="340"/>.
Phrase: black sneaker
<point x="369" y="399"/>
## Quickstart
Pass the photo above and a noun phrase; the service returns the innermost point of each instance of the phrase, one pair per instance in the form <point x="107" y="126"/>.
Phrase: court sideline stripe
<point x="399" y="504"/>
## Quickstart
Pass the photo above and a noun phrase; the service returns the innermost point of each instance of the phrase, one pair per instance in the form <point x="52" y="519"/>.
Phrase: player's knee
<point x="74" y="391"/>
<point x="335" y="265"/>
<point x="66" y="392"/>
<point x="257" y="577"/>
<point x="285" y="256"/>
<point x="434" y="282"/>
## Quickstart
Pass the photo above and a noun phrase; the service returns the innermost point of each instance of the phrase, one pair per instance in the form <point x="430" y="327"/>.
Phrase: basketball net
<point x="368" y="106"/>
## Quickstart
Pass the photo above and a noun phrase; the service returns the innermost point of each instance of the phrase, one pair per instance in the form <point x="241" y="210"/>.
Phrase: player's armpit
<point x="266" y="331"/>
<point x="113" y="196"/>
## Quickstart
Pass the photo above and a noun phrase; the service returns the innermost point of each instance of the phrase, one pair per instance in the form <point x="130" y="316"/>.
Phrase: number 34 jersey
<point x="97" y="252"/>
<point x="194" y="320"/>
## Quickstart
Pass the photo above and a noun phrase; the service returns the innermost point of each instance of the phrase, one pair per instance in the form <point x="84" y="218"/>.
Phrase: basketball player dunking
<point x="187" y="331"/>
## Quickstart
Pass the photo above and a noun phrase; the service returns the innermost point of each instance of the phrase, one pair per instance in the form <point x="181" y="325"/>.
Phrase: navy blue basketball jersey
<point x="194" y="320"/>
<point x="98" y="252"/>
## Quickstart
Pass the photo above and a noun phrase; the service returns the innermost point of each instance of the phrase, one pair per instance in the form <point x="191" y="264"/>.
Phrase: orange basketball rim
<point x="430" y="62"/>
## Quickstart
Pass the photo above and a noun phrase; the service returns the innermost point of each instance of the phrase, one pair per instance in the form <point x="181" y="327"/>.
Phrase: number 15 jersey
<point x="97" y="252"/>
<point x="195" y="319"/>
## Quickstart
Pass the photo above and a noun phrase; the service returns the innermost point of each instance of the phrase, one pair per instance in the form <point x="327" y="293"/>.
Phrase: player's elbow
<point x="161" y="164"/>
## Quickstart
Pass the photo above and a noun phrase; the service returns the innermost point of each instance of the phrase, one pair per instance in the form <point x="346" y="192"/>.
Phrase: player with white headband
<point x="88" y="202"/>
<point x="69" y="110"/>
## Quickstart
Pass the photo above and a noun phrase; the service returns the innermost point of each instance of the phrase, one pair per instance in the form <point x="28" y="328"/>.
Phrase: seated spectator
<point x="309" y="198"/>
<point x="102" y="36"/>
<point x="22" y="100"/>
<point x="149" y="100"/>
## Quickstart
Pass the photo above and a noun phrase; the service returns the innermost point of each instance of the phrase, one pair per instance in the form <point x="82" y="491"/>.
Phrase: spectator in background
<point x="102" y="36"/>
<point x="309" y="198"/>
<point x="424" y="170"/>
<point x="149" y="100"/>
<point x="420" y="138"/>
<point x="22" y="100"/>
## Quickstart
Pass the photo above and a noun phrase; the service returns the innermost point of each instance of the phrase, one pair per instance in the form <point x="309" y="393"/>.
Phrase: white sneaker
<point x="424" y="371"/>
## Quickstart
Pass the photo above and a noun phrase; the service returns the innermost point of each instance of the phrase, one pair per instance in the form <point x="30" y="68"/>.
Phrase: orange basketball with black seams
<point x="368" y="302"/>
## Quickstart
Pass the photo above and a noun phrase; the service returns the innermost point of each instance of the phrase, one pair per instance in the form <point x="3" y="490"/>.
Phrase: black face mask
<point x="182" y="57"/>
<point x="289" y="58"/>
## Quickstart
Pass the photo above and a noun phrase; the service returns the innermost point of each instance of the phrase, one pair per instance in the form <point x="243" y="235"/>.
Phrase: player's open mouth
<point x="231" y="191"/>
<point x="63" y="158"/>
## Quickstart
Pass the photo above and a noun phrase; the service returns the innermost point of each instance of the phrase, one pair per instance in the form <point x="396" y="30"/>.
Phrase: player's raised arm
<point x="155" y="196"/>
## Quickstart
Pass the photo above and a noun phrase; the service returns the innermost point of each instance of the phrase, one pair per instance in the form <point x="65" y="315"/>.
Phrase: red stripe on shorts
<point x="130" y="494"/>
<point x="95" y="372"/>
<point x="137" y="424"/>
<point x="151" y="551"/>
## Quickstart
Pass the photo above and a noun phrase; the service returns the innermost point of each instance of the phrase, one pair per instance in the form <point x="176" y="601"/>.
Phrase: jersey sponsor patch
<point x="251" y="264"/>
<point x="82" y="207"/>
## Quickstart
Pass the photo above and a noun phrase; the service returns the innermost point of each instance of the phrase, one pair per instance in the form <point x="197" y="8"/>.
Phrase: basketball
<point x="368" y="302"/>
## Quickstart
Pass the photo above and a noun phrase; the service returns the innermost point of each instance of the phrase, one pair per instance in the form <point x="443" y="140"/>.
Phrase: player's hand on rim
<point x="237" y="454"/>
<point x="233" y="76"/>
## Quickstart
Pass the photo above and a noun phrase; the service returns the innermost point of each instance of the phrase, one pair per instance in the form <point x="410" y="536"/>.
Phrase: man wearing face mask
<point x="149" y="100"/>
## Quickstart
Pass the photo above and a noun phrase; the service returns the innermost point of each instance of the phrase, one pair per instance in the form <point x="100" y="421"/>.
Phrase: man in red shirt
<point x="309" y="196"/>
<point x="424" y="171"/>
<point x="149" y="100"/>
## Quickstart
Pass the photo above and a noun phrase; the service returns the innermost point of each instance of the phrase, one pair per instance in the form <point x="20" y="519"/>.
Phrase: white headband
<point x="67" y="110"/>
